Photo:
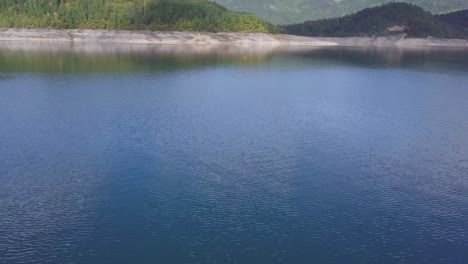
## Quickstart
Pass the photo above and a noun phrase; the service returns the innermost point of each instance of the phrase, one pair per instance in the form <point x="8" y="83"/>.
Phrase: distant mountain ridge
<point x="295" y="11"/>
<point x="458" y="19"/>
<point x="390" y="19"/>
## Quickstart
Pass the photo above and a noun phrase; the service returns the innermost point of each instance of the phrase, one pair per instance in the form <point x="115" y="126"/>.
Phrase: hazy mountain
<point x="293" y="11"/>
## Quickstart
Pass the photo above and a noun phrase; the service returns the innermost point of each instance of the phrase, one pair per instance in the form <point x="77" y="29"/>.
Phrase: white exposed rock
<point x="158" y="37"/>
<point x="208" y="38"/>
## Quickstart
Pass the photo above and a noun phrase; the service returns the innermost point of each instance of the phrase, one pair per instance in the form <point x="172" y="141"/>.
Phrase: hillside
<point x="389" y="19"/>
<point x="295" y="11"/>
<point x="458" y="19"/>
<point x="198" y="15"/>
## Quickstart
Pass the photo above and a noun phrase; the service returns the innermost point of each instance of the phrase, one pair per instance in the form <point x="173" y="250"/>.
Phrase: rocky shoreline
<point x="76" y="36"/>
<point x="156" y="37"/>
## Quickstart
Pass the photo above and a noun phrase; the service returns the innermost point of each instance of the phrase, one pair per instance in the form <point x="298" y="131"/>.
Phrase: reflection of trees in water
<point x="123" y="58"/>
<point x="99" y="58"/>
<point x="393" y="57"/>
<point x="387" y="57"/>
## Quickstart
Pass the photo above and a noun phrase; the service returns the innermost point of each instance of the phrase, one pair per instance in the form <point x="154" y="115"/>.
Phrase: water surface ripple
<point x="332" y="156"/>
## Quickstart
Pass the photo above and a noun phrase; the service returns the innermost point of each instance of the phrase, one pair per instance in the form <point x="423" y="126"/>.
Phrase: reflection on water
<point x="121" y="58"/>
<point x="94" y="58"/>
<point x="177" y="154"/>
<point x="427" y="58"/>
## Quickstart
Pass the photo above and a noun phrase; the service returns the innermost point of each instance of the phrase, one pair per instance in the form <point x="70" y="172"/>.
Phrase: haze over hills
<point x="294" y="11"/>
<point x="390" y="19"/>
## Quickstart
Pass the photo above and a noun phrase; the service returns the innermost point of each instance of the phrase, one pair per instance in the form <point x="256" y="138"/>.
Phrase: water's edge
<point x="208" y="38"/>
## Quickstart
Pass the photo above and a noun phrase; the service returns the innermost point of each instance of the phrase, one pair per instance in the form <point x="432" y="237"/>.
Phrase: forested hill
<point x="388" y="19"/>
<point x="458" y="19"/>
<point x="296" y="11"/>
<point x="198" y="15"/>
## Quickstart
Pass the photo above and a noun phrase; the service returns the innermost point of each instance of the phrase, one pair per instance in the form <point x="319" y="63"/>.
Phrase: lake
<point x="197" y="155"/>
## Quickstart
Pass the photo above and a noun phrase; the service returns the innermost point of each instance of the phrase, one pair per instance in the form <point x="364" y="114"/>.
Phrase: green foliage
<point x="294" y="11"/>
<point x="200" y="15"/>
<point x="377" y="21"/>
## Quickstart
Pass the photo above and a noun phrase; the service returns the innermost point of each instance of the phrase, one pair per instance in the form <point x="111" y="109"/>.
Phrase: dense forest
<point x="458" y="19"/>
<point x="198" y="15"/>
<point x="388" y="19"/>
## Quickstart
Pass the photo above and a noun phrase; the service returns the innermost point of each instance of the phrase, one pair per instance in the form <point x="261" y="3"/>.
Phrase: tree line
<point x="197" y="15"/>
<point x="388" y="19"/>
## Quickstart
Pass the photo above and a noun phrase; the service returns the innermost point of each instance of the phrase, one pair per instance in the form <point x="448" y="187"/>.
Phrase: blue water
<point x="312" y="157"/>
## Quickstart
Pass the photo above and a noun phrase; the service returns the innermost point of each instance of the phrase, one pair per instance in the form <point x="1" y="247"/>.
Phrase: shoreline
<point x="86" y="36"/>
<point x="80" y="36"/>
